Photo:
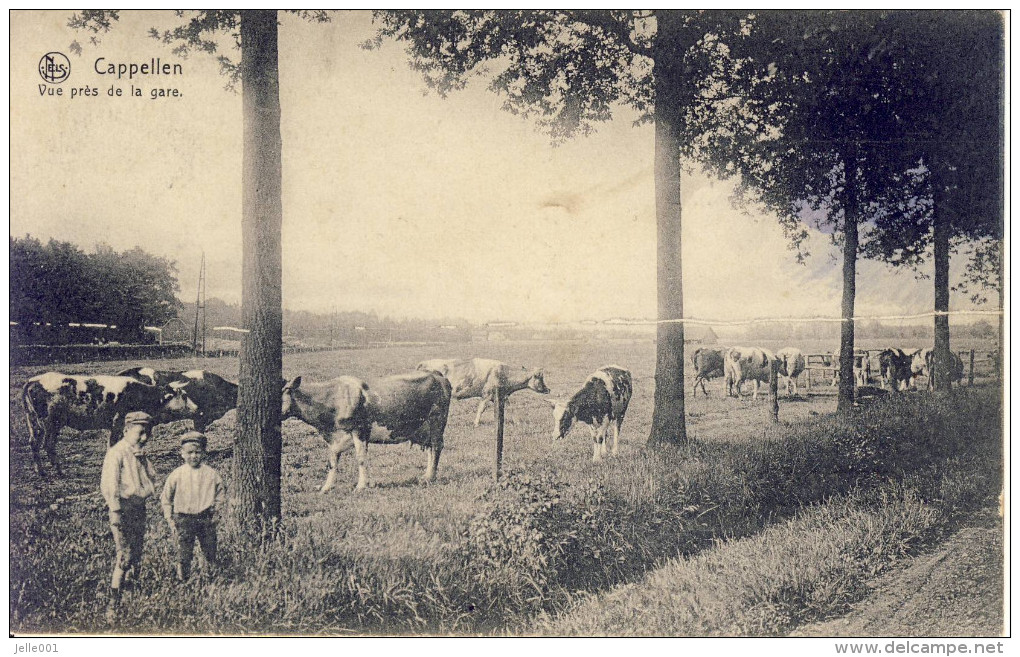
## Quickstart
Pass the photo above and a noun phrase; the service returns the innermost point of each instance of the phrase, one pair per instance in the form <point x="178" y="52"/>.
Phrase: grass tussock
<point x="819" y="506"/>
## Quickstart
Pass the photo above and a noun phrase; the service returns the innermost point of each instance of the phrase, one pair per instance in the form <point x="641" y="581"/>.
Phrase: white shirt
<point x="192" y="490"/>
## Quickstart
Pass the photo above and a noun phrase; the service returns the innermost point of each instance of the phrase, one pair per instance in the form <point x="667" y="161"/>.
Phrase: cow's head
<point x="562" y="419"/>
<point x="537" y="382"/>
<point x="177" y="405"/>
<point x="289" y="408"/>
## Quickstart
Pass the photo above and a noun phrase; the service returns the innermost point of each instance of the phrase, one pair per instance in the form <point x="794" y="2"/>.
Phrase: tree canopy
<point x="59" y="283"/>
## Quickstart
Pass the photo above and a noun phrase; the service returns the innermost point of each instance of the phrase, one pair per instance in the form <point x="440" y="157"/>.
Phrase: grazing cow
<point x="54" y="400"/>
<point x="483" y="377"/>
<point x="602" y="400"/>
<point x="747" y="364"/>
<point x="708" y="364"/>
<point x="213" y="396"/>
<point x="923" y="362"/>
<point x="895" y="368"/>
<point x="347" y="412"/>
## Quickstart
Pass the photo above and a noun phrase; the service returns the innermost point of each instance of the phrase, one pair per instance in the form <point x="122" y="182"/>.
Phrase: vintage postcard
<point x="536" y="323"/>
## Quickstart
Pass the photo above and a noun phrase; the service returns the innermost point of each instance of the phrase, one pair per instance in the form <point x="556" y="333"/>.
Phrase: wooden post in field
<point x="500" y="407"/>
<point x="807" y="370"/>
<point x="970" y="375"/>
<point x="774" y="390"/>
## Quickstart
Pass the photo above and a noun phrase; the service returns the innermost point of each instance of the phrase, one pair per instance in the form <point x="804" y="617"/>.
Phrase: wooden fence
<point x="823" y="368"/>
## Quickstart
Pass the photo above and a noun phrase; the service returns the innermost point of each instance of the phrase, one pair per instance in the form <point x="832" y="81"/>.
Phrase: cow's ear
<point x="294" y="384"/>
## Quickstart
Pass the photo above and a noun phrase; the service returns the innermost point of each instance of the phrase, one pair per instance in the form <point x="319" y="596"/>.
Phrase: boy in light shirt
<point x="126" y="483"/>
<point x="190" y="497"/>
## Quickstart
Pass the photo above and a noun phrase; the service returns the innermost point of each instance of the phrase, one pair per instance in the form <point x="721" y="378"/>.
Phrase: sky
<point x="394" y="200"/>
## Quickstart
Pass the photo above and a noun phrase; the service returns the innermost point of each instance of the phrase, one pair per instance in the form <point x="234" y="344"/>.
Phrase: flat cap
<point x="193" y="437"/>
<point x="138" y="417"/>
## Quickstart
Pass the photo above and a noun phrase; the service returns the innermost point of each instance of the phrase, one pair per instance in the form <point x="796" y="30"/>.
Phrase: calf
<point x="602" y="400"/>
<point x="483" y="377"/>
<point x="347" y="412"/>
<point x="211" y="394"/>
<point x="791" y="364"/>
<point x="54" y="400"/>
<point x="708" y="364"/>
<point x="747" y="364"/>
<point x="895" y="368"/>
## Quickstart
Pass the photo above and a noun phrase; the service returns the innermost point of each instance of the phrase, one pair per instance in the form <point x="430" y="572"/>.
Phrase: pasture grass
<point x="466" y="556"/>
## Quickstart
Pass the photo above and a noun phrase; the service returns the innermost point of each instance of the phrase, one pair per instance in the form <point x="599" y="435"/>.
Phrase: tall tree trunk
<point x="258" y="444"/>
<point x="941" y="232"/>
<point x="669" y="426"/>
<point x="847" y="381"/>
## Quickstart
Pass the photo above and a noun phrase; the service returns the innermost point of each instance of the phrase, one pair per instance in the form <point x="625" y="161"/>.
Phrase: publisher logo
<point x="54" y="67"/>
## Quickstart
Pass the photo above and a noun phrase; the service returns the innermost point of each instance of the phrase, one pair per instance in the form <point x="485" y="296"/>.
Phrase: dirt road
<point x="955" y="590"/>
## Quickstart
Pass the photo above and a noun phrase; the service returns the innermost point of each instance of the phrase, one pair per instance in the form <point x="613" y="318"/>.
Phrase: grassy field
<point x="459" y="555"/>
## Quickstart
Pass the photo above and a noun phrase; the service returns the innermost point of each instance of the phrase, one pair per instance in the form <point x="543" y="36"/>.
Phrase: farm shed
<point x="700" y="335"/>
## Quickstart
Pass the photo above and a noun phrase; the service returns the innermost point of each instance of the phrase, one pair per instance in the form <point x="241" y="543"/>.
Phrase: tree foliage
<point x="59" y="283"/>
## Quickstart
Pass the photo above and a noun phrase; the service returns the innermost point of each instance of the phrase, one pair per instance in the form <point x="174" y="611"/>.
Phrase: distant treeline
<point x="56" y="286"/>
<point x="864" y="331"/>
<point x="316" y="329"/>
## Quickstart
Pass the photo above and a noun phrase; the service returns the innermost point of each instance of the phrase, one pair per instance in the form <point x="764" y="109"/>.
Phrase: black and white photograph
<point x="688" y="324"/>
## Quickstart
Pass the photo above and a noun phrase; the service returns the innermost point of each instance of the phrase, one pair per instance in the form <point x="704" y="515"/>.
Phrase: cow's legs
<point x="51" y="429"/>
<point x="616" y="434"/>
<point x="340" y="443"/>
<point x="599" y="439"/>
<point x="432" y="466"/>
<point x="51" y="451"/>
<point x="481" y="408"/>
<point x="361" y="450"/>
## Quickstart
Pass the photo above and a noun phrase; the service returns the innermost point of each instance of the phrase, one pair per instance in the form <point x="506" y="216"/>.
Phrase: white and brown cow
<point x="747" y="364"/>
<point x="708" y="364"/>
<point x="895" y="368"/>
<point x="484" y="377"/>
<point x="602" y="401"/>
<point x="212" y="395"/>
<point x="791" y="364"/>
<point x="87" y="403"/>
<point x="348" y="412"/>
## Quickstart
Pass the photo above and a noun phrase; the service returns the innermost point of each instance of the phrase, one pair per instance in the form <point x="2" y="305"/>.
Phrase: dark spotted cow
<point x="212" y="395"/>
<point x="601" y="401"/>
<point x="708" y="364"/>
<point x="347" y="412"/>
<point x="895" y="368"/>
<point x="54" y="400"/>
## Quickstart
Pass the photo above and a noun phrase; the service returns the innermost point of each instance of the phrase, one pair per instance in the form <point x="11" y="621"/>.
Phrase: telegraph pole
<point x="200" y="308"/>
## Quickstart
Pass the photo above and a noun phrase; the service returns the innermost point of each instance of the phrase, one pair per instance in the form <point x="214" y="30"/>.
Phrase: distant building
<point x="695" y="334"/>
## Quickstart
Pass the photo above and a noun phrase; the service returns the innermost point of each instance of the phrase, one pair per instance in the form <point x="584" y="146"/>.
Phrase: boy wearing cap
<point x="126" y="483"/>
<point x="190" y="497"/>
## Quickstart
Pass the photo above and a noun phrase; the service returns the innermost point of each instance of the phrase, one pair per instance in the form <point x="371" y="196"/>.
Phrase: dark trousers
<point x="129" y="537"/>
<point x="189" y="527"/>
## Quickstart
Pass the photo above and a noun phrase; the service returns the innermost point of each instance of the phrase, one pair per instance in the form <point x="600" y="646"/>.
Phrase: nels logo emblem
<point x="54" y="67"/>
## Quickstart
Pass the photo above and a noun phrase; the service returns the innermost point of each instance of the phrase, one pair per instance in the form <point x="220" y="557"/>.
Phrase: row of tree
<point x="884" y="123"/>
<point x="58" y="284"/>
<point x="321" y="328"/>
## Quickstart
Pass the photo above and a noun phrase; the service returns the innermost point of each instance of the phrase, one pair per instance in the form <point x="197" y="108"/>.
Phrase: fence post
<point x="970" y="375"/>
<point x="774" y="389"/>
<point x="500" y="401"/>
